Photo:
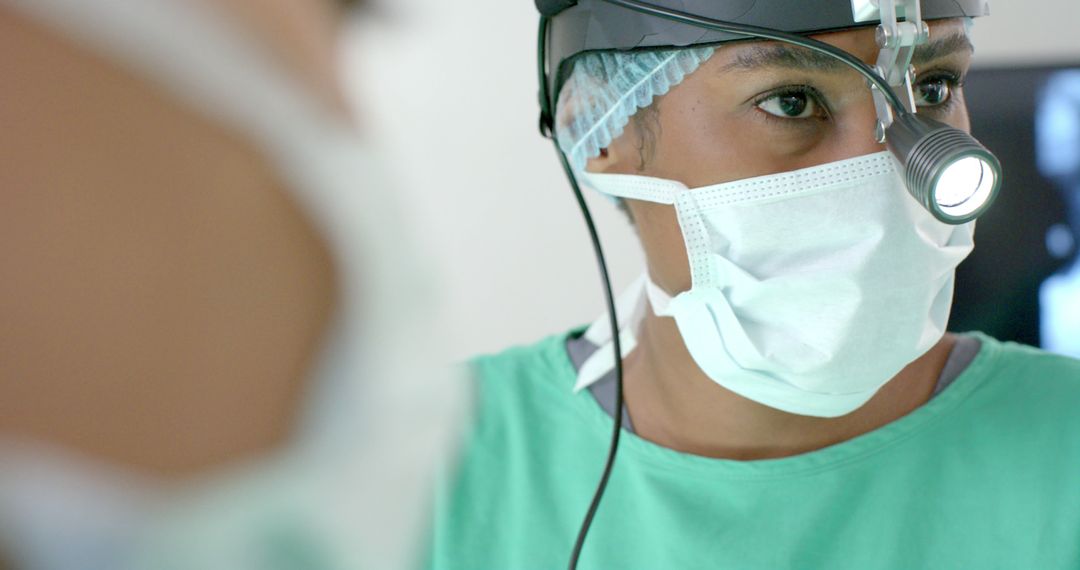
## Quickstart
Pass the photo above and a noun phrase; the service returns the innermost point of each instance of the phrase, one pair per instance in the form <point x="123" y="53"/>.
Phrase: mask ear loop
<point x="547" y="128"/>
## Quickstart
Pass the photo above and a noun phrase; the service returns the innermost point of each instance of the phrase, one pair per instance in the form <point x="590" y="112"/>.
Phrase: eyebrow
<point x="943" y="47"/>
<point x="784" y="56"/>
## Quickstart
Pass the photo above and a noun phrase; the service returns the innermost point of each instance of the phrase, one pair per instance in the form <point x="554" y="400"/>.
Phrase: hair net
<point x="605" y="89"/>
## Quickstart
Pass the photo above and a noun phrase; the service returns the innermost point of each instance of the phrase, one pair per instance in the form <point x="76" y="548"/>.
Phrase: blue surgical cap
<point x="605" y="89"/>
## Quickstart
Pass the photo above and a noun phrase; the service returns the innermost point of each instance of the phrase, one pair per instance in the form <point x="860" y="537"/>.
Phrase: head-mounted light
<point x="946" y="169"/>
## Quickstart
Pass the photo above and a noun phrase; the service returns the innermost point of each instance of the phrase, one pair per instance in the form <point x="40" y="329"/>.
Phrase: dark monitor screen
<point x="1022" y="282"/>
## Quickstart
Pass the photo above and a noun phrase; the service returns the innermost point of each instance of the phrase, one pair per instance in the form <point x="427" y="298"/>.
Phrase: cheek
<point x="696" y="136"/>
<point x="662" y="239"/>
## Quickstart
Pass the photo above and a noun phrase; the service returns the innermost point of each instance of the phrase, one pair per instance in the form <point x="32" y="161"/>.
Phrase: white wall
<point x="451" y="90"/>
<point x="1028" y="31"/>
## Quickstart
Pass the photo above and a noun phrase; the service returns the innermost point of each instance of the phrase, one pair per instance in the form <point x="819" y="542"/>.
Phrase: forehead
<point x="948" y="39"/>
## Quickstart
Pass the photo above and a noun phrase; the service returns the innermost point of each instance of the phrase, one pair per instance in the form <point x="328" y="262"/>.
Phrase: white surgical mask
<point x="349" y="490"/>
<point x="811" y="288"/>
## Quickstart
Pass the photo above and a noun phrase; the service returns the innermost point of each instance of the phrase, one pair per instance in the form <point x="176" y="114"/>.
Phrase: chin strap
<point x="897" y="41"/>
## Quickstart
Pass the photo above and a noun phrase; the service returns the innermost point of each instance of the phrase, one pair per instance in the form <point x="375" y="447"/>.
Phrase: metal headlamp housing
<point x="945" y="169"/>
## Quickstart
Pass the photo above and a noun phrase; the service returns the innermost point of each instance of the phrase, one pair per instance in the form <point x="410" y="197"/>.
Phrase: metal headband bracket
<point x="897" y="41"/>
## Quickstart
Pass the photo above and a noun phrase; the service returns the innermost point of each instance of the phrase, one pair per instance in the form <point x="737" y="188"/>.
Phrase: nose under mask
<point x="810" y="289"/>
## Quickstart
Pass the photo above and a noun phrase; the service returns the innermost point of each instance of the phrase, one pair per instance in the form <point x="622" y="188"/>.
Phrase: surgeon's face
<point x="758" y="108"/>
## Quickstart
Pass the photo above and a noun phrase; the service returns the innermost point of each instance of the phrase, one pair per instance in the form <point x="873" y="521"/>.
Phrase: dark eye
<point x="790" y="105"/>
<point x="933" y="92"/>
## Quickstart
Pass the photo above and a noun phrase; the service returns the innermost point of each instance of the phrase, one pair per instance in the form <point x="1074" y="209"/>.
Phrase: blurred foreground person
<point x="209" y="316"/>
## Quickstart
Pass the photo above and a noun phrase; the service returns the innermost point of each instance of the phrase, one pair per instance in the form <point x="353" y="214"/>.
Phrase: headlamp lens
<point x="964" y="186"/>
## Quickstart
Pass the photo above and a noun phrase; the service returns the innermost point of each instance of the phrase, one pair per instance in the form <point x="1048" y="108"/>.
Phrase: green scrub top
<point x="985" y="475"/>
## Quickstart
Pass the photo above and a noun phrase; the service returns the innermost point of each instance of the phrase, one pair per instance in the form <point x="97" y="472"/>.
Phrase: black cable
<point x="609" y="299"/>
<point x="613" y="321"/>
<point x="747" y="30"/>
<point x="768" y="34"/>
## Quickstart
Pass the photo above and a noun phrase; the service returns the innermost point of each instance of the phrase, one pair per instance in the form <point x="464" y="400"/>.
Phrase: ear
<point x="619" y="157"/>
<point x="601" y="163"/>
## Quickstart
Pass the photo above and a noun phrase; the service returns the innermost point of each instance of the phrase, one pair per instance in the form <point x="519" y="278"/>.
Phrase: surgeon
<point x="209" y="303"/>
<point x="790" y="396"/>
